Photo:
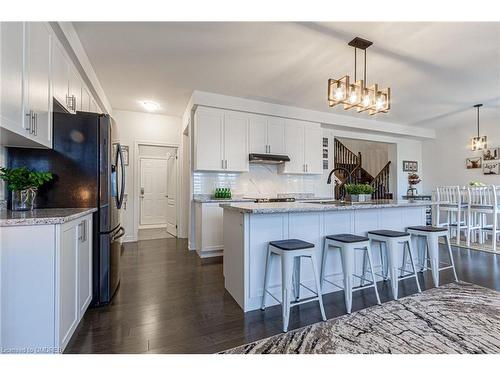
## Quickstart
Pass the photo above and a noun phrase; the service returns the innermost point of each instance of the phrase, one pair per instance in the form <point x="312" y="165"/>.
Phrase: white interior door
<point x="153" y="191"/>
<point x="172" y="196"/>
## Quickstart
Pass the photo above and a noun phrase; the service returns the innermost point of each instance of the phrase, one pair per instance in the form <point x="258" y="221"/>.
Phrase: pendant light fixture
<point x="357" y="95"/>
<point x="479" y="142"/>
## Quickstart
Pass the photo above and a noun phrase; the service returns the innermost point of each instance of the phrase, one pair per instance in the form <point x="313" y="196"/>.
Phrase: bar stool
<point x="291" y="251"/>
<point x="348" y="243"/>
<point x="392" y="239"/>
<point x="431" y="253"/>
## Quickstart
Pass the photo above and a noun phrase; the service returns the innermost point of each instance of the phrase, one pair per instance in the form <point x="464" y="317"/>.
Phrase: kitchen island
<point x="249" y="227"/>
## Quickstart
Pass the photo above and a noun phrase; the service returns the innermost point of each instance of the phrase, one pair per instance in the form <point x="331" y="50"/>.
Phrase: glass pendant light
<point x="479" y="142"/>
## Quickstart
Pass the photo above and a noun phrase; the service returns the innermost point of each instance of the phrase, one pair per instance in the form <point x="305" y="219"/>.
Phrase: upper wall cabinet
<point x="220" y="140"/>
<point x="38" y="100"/>
<point x="66" y="82"/>
<point x="34" y="68"/>
<point x="303" y="146"/>
<point x="12" y="77"/>
<point x="25" y="106"/>
<point x="266" y="135"/>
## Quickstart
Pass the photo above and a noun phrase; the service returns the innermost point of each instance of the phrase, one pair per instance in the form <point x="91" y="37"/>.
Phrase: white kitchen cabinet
<point x="303" y="144"/>
<point x="313" y="145"/>
<point x="75" y="89"/>
<point x="209" y="232"/>
<point x="276" y="135"/>
<point x="221" y="140"/>
<point x="11" y="76"/>
<point x="266" y="135"/>
<point x="85" y="100"/>
<point x="294" y="147"/>
<point x="38" y="93"/>
<point x="208" y="128"/>
<point x="46" y="288"/>
<point x="66" y="82"/>
<point x="93" y="106"/>
<point x="235" y="141"/>
<point x="257" y="134"/>
<point x="84" y="265"/>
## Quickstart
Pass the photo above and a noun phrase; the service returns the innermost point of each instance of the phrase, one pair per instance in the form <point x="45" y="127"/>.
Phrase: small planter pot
<point x="23" y="200"/>
<point x="359" y="197"/>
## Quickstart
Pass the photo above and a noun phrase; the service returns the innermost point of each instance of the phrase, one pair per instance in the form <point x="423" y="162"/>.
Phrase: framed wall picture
<point x="410" y="166"/>
<point x="491" y="167"/>
<point x="491" y="154"/>
<point x="473" y="163"/>
<point x="325" y="153"/>
<point x="325" y="141"/>
<point x="325" y="163"/>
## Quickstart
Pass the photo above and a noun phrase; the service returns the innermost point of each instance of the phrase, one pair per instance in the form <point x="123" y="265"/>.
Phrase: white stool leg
<point x="269" y="264"/>
<point x="318" y="286"/>
<point x="417" y="244"/>
<point x="363" y="276"/>
<point x="412" y="260"/>
<point x="451" y="257"/>
<point x="494" y="238"/>
<point x="383" y="261"/>
<point x="286" y="286"/>
<point x="323" y="263"/>
<point x="393" y="261"/>
<point x="433" y="249"/>
<point x="370" y="261"/>
<point x="347" y="256"/>
<point x="403" y="266"/>
<point x="296" y="278"/>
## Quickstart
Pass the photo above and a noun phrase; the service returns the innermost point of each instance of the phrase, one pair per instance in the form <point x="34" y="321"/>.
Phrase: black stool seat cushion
<point x="388" y="233"/>
<point x="428" y="228"/>
<point x="347" y="238"/>
<point x="292" y="244"/>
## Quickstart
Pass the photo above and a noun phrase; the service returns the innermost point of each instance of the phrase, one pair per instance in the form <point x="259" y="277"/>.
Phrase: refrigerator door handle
<point x="120" y="196"/>
<point x="119" y="234"/>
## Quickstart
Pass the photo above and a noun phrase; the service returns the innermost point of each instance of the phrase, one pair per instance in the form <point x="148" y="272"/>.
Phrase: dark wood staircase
<point x="352" y="171"/>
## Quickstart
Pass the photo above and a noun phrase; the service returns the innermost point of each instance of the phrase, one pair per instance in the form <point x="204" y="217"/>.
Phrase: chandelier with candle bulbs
<point x="357" y="95"/>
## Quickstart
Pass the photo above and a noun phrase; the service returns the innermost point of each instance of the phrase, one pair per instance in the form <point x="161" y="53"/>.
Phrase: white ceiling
<point x="436" y="71"/>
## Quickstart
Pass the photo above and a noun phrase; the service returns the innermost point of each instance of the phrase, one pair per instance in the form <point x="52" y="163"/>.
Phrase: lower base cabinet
<point x="208" y="226"/>
<point x="45" y="283"/>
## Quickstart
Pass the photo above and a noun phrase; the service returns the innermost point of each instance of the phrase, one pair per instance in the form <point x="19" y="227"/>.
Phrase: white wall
<point x="136" y="127"/>
<point x="444" y="157"/>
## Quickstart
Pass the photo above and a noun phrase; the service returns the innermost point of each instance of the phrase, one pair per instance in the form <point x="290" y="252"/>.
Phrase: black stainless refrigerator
<point x="89" y="172"/>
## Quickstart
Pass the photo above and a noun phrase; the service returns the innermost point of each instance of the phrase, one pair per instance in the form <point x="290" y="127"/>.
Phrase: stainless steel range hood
<point x="267" y="159"/>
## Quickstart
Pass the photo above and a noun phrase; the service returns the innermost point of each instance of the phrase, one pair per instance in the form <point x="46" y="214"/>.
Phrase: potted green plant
<point x="359" y="192"/>
<point x="23" y="184"/>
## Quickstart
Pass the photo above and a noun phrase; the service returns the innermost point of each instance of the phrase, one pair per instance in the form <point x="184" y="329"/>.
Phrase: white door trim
<point x="137" y="180"/>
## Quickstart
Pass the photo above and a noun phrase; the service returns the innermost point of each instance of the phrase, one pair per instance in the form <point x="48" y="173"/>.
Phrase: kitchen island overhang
<point x="249" y="227"/>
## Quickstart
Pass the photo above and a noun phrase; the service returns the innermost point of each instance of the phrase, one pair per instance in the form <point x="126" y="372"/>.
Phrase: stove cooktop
<point x="272" y="200"/>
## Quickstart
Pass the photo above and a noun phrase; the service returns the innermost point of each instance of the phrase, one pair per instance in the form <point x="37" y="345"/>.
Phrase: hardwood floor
<point x="170" y="301"/>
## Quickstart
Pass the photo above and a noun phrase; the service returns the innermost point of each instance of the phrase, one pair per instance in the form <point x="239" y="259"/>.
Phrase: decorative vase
<point x="23" y="200"/>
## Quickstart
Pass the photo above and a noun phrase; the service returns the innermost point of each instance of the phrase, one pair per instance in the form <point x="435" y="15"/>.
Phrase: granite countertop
<point x="285" y="207"/>
<point x="45" y="216"/>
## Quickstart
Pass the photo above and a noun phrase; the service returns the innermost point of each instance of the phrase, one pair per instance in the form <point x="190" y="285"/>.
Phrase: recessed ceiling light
<point x="150" y="106"/>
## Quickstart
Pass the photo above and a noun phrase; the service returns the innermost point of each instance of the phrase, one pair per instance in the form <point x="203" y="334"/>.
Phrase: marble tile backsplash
<point x="260" y="181"/>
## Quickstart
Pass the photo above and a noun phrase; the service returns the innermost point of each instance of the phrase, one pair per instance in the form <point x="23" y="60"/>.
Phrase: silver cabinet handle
<point x="307" y="167"/>
<point x="225" y="164"/>
<point x="35" y="125"/>
<point x="29" y="124"/>
<point x="269" y="148"/>
<point x="83" y="231"/>
<point x="222" y="164"/>
<point x="74" y="103"/>
<point x="68" y="101"/>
